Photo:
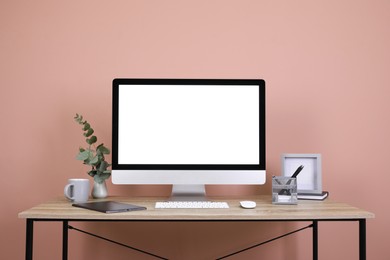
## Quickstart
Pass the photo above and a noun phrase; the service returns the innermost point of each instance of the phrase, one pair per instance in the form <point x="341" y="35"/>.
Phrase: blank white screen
<point x="188" y="124"/>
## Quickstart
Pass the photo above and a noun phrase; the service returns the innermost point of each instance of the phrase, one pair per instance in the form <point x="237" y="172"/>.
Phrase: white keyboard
<point x="191" y="205"/>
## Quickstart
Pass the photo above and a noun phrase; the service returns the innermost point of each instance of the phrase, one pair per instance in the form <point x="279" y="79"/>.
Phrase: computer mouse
<point x="247" y="204"/>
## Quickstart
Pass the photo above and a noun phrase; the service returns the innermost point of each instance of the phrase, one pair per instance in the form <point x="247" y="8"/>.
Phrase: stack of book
<point x="313" y="196"/>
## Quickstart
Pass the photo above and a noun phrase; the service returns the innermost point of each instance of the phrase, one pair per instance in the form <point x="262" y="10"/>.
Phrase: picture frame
<point x="309" y="179"/>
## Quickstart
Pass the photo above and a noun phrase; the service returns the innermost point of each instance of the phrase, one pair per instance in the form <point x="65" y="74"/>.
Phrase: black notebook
<point x="108" y="206"/>
<point x="310" y="196"/>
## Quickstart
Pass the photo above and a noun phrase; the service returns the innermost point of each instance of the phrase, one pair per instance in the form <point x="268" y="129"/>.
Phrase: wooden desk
<point x="61" y="210"/>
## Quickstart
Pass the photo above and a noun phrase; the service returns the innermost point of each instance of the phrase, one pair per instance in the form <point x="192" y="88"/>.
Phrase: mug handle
<point x="67" y="191"/>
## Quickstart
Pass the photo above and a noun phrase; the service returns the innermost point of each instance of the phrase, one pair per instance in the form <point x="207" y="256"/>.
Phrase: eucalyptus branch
<point x="93" y="157"/>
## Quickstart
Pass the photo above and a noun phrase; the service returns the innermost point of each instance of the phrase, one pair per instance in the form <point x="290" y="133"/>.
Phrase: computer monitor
<point x="188" y="133"/>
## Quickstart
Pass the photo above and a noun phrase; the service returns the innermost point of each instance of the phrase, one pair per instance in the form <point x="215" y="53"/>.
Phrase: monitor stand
<point x="187" y="192"/>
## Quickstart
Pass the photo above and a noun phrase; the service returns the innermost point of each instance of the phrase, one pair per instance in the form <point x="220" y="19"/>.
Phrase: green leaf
<point x="100" y="178"/>
<point x="84" y="155"/>
<point x="103" y="149"/>
<point x="79" y="119"/>
<point x="86" y="126"/>
<point x="103" y="166"/>
<point x="94" y="160"/>
<point x="92" y="173"/>
<point x="89" y="132"/>
<point x="92" y="140"/>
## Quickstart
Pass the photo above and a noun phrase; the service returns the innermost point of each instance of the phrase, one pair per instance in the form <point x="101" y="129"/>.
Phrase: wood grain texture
<point x="60" y="208"/>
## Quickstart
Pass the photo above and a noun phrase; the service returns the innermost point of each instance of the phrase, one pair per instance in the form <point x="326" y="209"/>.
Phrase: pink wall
<point x="326" y="64"/>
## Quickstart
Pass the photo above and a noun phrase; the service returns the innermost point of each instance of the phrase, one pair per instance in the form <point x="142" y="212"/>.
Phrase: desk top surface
<point x="60" y="208"/>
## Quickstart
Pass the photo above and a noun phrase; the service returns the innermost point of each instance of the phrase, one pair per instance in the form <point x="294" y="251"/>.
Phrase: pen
<point x="295" y="174"/>
<point x="297" y="171"/>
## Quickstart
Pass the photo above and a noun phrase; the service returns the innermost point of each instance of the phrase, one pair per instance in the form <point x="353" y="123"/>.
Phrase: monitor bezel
<point x="149" y="81"/>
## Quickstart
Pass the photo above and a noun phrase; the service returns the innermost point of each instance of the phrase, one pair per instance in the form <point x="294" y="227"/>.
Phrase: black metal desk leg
<point x="65" y="240"/>
<point x="29" y="238"/>
<point x="315" y="240"/>
<point x="362" y="239"/>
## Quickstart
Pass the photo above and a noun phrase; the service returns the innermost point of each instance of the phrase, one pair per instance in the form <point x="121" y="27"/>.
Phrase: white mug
<point x="77" y="190"/>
